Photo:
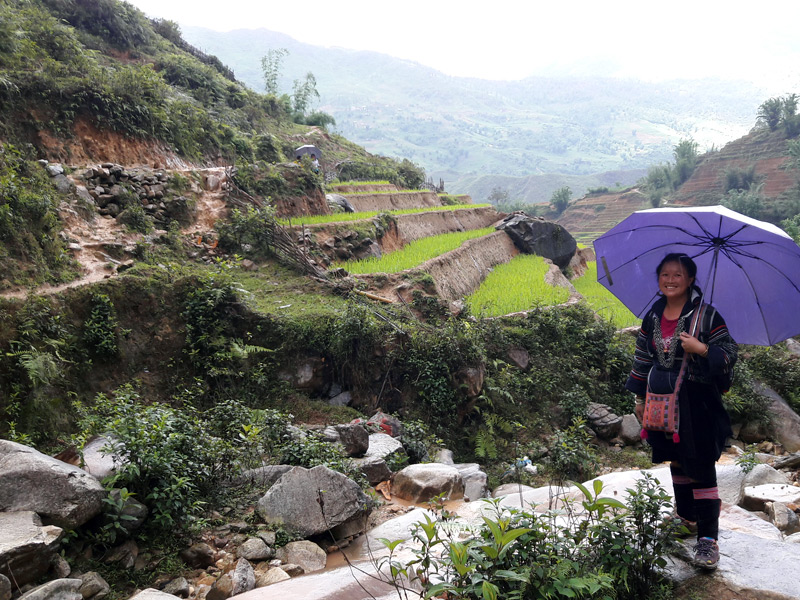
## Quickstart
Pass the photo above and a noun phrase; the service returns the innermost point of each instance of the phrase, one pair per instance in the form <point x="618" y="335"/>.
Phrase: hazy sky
<point x="511" y="39"/>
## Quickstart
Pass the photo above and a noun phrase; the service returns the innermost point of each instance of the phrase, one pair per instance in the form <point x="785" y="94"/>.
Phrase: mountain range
<point x="529" y="136"/>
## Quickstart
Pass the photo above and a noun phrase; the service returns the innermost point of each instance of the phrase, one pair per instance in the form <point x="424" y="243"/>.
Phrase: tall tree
<point x="271" y="67"/>
<point x="560" y="199"/>
<point x="769" y="113"/>
<point x="304" y="93"/>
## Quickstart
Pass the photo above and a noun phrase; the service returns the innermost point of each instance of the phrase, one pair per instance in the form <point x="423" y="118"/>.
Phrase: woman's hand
<point x="639" y="411"/>
<point x="693" y="345"/>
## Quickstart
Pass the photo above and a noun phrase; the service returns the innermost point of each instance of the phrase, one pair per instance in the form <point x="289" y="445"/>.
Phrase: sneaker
<point x="706" y="554"/>
<point x="681" y="527"/>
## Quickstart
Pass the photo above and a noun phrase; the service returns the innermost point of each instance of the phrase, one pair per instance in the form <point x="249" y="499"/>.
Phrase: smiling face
<point x="674" y="281"/>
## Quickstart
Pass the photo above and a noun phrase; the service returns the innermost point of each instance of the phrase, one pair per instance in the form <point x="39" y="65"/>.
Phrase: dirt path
<point x="100" y="244"/>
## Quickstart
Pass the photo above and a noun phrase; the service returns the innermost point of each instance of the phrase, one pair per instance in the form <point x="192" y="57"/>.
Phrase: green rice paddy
<point x="414" y="254"/>
<point x="602" y="301"/>
<point x="516" y="286"/>
<point x="358" y="216"/>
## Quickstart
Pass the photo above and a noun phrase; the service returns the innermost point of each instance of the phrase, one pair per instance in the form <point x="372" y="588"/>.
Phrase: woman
<point x="663" y="343"/>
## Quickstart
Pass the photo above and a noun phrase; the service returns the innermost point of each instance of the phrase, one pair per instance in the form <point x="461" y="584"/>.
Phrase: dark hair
<point x="681" y="258"/>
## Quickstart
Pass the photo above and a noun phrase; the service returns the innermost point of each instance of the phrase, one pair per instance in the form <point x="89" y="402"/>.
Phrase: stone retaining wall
<point x="421" y="225"/>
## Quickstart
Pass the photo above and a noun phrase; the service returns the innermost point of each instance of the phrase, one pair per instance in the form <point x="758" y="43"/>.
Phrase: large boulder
<point x="420" y="483"/>
<point x="312" y="501"/>
<point x="475" y="481"/>
<point x="374" y="468"/>
<point x="58" y="589"/>
<point x="61" y="494"/>
<point x="756" y="497"/>
<point x="785" y="422"/>
<point x="534" y="235"/>
<point x="27" y="548"/>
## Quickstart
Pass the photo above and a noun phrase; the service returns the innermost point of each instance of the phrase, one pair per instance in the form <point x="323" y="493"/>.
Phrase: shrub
<point x="249" y="231"/>
<point x="571" y="455"/>
<point x="612" y="550"/>
<point x="135" y="219"/>
<point x="100" y="329"/>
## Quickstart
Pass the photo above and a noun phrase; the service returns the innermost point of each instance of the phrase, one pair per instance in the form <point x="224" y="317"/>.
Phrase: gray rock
<point x="198" y="556"/>
<point x="135" y="512"/>
<point x="294" y="501"/>
<point x="399" y="528"/>
<point x="470" y="380"/>
<point x="374" y="468"/>
<point x="54" y="169"/>
<point x="270" y="576"/>
<point x="782" y="517"/>
<point x="304" y="553"/>
<point x="534" y="235"/>
<point x="445" y="457"/>
<point x="420" y="483"/>
<point x="26" y="547"/>
<point x="255" y="549"/>
<point x="519" y="357"/>
<point x="125" y="555"/>
<point x="5" y="588"/>
<point x="788" y="462"/>
<point x="605" y="423"/>
<point x="748" y="565"/>
<point x="268" y="537"/>
<point x="83" y="193"/>
<point x="383" y="445"/>
<point x="93" y="586"/>
<point x="97" y="461"/>
<point x="243" y="578"/>
<point x="352" y="436"/>
<point x="152" y="594"/>
<point x="337" y="201"/>
<point x="60" y="568"/>
<point x="510" y="488"/>
<point x="475" y="481"/>
<point x="222" y="588"/>
<point x="265" y="476"/>
<point x="63" y="184"/>
<point x="756" y="497"/>
<point x="343" y="399"/>
<point x="178" y="587"/>
<point x="629" y="430"/>
<point x="58" y="589"/>
<point x="763" y="474"/>
<point x="61" y="494"/>
<point x="793" y="539"/>
<point x="785" y="422"/>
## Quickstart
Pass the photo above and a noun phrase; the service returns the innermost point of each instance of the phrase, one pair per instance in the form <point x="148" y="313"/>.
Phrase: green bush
<point x="100" y="329"/>
<point x="249" y="232"/>
<point x="30" y="249"/>
<point x="135" y="219"/>
<point x="610" y="551"/>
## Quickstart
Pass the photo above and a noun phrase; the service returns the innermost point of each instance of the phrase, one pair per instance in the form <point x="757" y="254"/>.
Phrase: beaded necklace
<point x="667" y="359"/>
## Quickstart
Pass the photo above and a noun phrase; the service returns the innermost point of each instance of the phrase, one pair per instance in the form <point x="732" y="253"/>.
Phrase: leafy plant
<point x="100" y="329"/>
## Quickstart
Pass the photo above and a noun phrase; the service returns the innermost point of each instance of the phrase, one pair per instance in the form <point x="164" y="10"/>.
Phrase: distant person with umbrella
<point x="663" y="344"/>
<point x="655" y="262"/>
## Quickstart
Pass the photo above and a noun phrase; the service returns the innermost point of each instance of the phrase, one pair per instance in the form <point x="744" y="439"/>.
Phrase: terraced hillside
<point x="589" y="217"/>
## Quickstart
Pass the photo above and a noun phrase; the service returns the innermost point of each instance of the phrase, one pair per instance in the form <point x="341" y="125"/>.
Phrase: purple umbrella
<point x="749" y="270"/>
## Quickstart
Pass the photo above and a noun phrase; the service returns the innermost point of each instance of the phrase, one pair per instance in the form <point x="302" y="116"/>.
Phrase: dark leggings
<point x="697" y="500"/>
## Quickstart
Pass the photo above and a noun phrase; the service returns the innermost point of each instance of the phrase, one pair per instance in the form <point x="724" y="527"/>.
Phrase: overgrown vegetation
<point x="30" y="248"/>
<point x="602" y="549"/>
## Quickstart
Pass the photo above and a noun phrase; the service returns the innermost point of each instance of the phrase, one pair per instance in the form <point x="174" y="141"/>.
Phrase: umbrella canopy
<point x="308" y="149"/>
<point x="748" y="270"/>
